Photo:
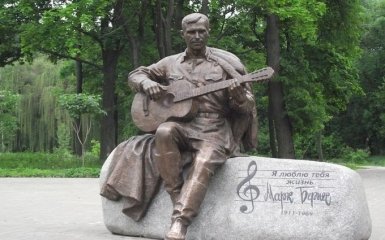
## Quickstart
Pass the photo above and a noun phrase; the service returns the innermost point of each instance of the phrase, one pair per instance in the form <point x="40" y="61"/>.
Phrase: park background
<point x="65" y="103"/>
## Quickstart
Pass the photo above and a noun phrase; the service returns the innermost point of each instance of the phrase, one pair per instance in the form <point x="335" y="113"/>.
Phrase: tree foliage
<point x="365" y="112"/>
<point x="319" y="47"/>
<point x="317" y="61"/>
<point x="8" y="118"/>
<point x="81" y="103"/>
<point x="9" y="37"/>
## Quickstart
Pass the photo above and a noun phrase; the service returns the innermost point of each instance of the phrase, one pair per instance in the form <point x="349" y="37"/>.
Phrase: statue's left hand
<point x="237" y="92"/>
<point x="152" y="89"/>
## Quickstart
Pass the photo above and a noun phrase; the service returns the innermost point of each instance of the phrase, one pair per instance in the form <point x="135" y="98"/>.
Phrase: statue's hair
<point x="194" y="18"/>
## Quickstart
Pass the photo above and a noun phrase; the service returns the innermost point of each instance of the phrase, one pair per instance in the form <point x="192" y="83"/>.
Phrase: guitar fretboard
<point x="196" y="92"/>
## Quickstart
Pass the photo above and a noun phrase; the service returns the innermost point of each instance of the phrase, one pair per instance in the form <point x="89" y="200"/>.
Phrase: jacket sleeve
<point x="156" y="72"/>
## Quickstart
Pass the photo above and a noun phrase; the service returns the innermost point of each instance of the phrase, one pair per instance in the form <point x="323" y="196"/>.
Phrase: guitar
<point x="177" y="100"/>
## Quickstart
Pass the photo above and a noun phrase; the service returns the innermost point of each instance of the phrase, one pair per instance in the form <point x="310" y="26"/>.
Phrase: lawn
<point x="66" y="165"/>
<point x="58" y="164"/>
<point x="370" y="161"/>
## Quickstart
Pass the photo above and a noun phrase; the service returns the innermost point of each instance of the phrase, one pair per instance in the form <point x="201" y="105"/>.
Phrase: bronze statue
<point x="216" y="122"/>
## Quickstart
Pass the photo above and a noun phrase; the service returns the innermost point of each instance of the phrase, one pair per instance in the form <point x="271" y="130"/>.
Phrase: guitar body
<point x="148" y="114"/>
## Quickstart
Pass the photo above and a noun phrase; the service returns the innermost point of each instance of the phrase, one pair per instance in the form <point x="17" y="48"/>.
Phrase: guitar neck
<point x="199" y="91"/>
<point x="256" y="76"/>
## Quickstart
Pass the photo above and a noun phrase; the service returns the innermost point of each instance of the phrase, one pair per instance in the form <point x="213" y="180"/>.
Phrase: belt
<point x="209" y="115"/>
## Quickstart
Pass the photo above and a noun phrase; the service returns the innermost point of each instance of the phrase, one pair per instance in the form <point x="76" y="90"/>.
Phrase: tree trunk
<point x="78" y="146"/>
<point x="2" y="142"/>
<point x="179" y="14"/>
<point x="79" y="89"/>
<point x="79" y="77"/>
<point x="205" y="7"/>
<point x="167" y="27"/>
<point x="279" y="121"/>
<point x="109" y="122"/>
<point x="111" y="51"/>
<point x="159" y="29"/>
<point x="135" y="51"/>
<point x="272" y="135"/>
<point x="163" y="28"/>
<point x="136" y="37"/>
<point x="318" y="142"/>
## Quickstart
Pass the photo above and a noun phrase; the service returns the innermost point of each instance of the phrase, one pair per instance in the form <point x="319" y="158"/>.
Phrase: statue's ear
<point x="181" y="33"/>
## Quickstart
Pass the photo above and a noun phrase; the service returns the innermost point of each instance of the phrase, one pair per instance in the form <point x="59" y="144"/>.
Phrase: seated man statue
<point x="224" y="122"/>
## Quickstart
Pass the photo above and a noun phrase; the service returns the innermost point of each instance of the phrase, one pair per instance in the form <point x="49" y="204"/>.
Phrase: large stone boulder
<point x="253" y="198"/>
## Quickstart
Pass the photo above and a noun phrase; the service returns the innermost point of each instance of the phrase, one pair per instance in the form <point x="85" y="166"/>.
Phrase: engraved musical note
<point x="250" y="192"/>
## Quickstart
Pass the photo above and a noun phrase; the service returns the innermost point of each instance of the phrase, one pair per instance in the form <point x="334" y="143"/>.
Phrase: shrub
<point x="95" y="148"/>
<point x="356" y="156"/>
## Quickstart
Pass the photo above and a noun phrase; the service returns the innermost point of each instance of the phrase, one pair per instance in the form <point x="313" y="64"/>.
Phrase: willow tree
<point x="37" y="113"/>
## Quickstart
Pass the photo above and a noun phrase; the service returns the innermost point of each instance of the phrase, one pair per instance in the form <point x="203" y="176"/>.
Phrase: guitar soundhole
<point x="168" y="100"/>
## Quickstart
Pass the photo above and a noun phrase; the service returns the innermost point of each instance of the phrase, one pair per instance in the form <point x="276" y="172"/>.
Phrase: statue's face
<point x="196" y="35"/>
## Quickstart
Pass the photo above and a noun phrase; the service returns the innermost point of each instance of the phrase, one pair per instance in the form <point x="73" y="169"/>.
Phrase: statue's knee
<point x="165" y="130"/>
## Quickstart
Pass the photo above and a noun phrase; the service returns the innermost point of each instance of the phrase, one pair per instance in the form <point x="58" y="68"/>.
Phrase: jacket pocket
<point x="213" y="77"/>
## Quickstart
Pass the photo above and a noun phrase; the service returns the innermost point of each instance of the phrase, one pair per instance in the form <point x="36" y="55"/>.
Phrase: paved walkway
<point x="52" y="209"/>
<point x="70" y="209"/>
<point x="374" y="182"/>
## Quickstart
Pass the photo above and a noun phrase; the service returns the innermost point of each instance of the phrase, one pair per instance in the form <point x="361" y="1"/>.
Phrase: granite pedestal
<point x="253" y="198"/>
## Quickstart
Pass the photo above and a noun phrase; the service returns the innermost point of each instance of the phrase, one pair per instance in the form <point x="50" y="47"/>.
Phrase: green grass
<point x="63" y="164"/>
<point x="39" y="164"/>
<point x="65" y="173"/>
<point x="376" y="161"/>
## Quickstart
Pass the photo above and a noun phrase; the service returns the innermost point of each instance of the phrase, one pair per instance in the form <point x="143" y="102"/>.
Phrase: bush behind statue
<point x="357" y="156"/>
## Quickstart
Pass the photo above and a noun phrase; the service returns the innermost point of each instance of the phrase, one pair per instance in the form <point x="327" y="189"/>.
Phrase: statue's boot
<point x="170" y="168"/>
<point x="177" y="231"/>
<point x="190" y="200"/>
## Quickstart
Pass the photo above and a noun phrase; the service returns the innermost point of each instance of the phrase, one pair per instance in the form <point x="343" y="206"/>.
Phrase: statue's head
<point x="195" y="18"/>
<point x="195" y="30"/>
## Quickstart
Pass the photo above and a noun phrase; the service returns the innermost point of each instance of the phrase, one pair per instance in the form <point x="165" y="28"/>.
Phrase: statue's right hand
<point x="152" y="89"/>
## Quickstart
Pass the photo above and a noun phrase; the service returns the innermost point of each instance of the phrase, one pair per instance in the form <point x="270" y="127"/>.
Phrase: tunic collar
<point x="185" y="56"/>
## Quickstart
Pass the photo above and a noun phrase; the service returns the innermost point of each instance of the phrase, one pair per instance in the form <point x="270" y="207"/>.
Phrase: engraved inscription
<point x="296" y="192"/>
